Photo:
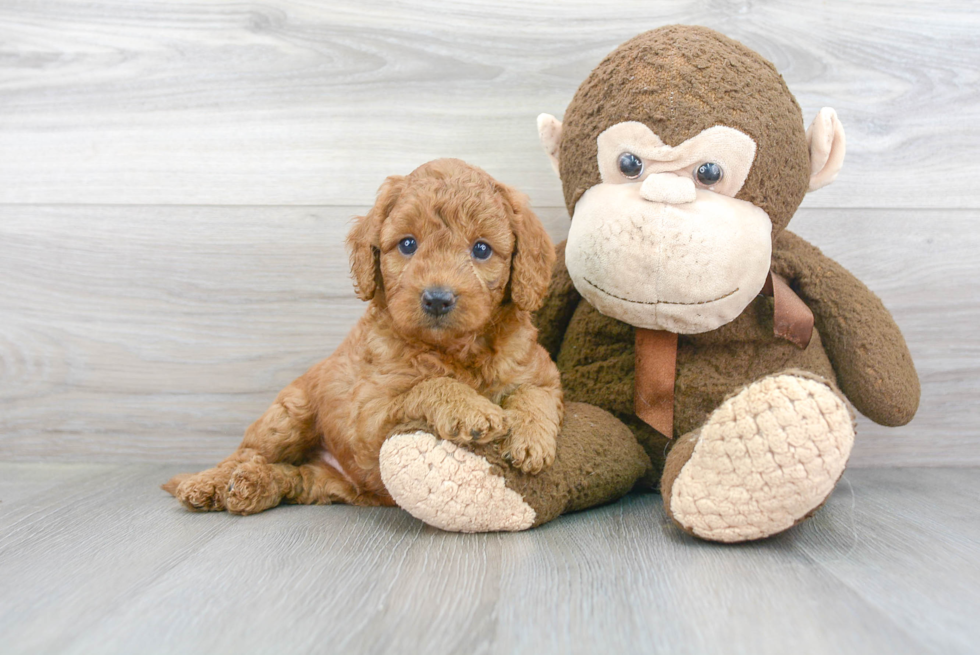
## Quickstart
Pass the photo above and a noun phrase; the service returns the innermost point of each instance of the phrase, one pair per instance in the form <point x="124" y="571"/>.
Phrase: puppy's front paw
<point x="480" y="421"/>
<point x="531" y="448"/>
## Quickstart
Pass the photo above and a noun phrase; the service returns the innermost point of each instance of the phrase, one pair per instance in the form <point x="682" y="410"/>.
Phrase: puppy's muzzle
<point x="438" y="301"/>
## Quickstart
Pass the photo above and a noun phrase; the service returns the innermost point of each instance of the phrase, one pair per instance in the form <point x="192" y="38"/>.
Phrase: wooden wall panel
<point x="306" y="103"/>
<point x="147" y="333"/>
<point x="177" y="179"/>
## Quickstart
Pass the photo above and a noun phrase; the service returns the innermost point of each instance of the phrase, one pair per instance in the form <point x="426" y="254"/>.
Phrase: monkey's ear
<point x="534" y="253"/>
<point x="825" y="137"/>
<point x="549" y="131"/>
<point x="363" y="242"/>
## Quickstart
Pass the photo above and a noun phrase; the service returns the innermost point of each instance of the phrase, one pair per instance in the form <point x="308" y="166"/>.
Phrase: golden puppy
<point x="452" y="262"/>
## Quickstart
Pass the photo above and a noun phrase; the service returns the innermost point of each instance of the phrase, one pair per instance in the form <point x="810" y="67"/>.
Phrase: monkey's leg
<point x="766" y="459"/>
<point x="473" y="488"/>
<point x="285" y="433"/>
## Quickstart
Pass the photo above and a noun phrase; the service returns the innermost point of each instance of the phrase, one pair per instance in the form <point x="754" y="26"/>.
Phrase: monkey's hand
<point x="873" y="365"/>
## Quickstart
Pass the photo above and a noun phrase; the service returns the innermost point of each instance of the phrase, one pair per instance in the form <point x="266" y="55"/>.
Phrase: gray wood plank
<point x="119" y="568"/>
<point x="73" y="553"/>
<point x="289" y="102"/>
<point x="94" y="296"/>
<point x="661" y="591"/>
<point x="928" y="524"/>
<point x="141" y="333"/>
<point x="20" y="482"/>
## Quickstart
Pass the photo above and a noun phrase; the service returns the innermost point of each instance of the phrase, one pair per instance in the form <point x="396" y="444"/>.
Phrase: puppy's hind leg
<point x="257" y="485"/>
<point x="204" y="491"/>
<point x="285" y="433"/>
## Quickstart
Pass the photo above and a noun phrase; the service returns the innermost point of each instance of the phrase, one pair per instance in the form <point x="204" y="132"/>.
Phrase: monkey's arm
<point x="865" y="346"/>
<point x="554" y="315"/>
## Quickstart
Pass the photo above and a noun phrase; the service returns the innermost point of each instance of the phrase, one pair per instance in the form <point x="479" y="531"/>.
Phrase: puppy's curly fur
<point x="468" y="370"/>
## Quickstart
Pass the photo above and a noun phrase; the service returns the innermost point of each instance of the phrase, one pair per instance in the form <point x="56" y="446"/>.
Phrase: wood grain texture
<point x="141" y="333"/>
<point x="932" y="537"/>
<point x="20" y="482"/>
<point x="301" y="103"/>
<point x="130" y="322"/>
<point x="111" y="564"/>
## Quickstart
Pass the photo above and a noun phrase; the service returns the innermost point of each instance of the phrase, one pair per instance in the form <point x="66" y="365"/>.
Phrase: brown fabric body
<point x="598" y="461"/>
<point x="656" y="355"/>
<point x="871" y="363"/>
<point x="596" y="363"/>
<point x="678" y="81"/>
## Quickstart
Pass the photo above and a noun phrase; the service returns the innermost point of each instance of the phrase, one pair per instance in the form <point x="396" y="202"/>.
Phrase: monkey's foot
<point x="766" y="459"/>
<point x="450" y="487"/>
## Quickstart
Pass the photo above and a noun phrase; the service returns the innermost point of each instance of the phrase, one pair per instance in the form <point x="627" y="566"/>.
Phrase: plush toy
<point x="683" y="313"/>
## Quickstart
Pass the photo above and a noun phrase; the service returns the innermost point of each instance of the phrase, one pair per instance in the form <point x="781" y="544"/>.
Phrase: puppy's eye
<point x="482" y="250"/>
<point x="630" y="165"/>
<point x="708" y="173"/>
<point x="408" y="245"/>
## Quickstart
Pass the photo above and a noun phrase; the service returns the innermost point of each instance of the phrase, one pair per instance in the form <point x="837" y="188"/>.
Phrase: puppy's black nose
<point x="438" y="301"/>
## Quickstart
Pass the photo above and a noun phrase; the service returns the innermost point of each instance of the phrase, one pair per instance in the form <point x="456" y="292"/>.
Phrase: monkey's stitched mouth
<point x="658" y="302"/>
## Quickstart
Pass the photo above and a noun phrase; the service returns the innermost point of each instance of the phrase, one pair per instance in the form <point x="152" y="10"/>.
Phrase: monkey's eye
<point x="630" y="165"/>
<point x="708" y="173"/>
<point x="408" y="245"/>
<point x="482" y="250"/>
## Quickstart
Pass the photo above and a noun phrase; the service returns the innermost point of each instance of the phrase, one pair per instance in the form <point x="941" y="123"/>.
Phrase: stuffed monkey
<point x="704" y="349"/>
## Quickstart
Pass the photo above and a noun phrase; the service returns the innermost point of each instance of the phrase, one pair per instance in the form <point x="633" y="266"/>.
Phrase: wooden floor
<point x="96" y="559"/>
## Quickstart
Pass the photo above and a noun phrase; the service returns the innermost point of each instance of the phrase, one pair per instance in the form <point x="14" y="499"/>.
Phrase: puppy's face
<point x="445" y="260"/>
<point x="445" y="247"/>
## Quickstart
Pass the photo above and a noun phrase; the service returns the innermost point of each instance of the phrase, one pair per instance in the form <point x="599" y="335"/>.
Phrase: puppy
<point x="452" y="262"/>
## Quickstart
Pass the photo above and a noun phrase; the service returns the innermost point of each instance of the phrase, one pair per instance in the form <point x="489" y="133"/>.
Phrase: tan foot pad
<point x="766" y="458"/>
<point x="449" y="487"/>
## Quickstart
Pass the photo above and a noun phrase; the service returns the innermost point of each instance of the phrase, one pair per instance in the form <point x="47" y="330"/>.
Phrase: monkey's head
<point x="682" y="156"/>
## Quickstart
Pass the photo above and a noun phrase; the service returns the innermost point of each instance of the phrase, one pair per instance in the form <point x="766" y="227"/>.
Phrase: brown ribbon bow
<point x="656" y="354"/>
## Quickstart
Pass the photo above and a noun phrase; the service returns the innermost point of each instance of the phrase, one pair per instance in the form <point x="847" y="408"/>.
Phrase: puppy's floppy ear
<point x="534" y="253"/>
<point x="363" y="242"/>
